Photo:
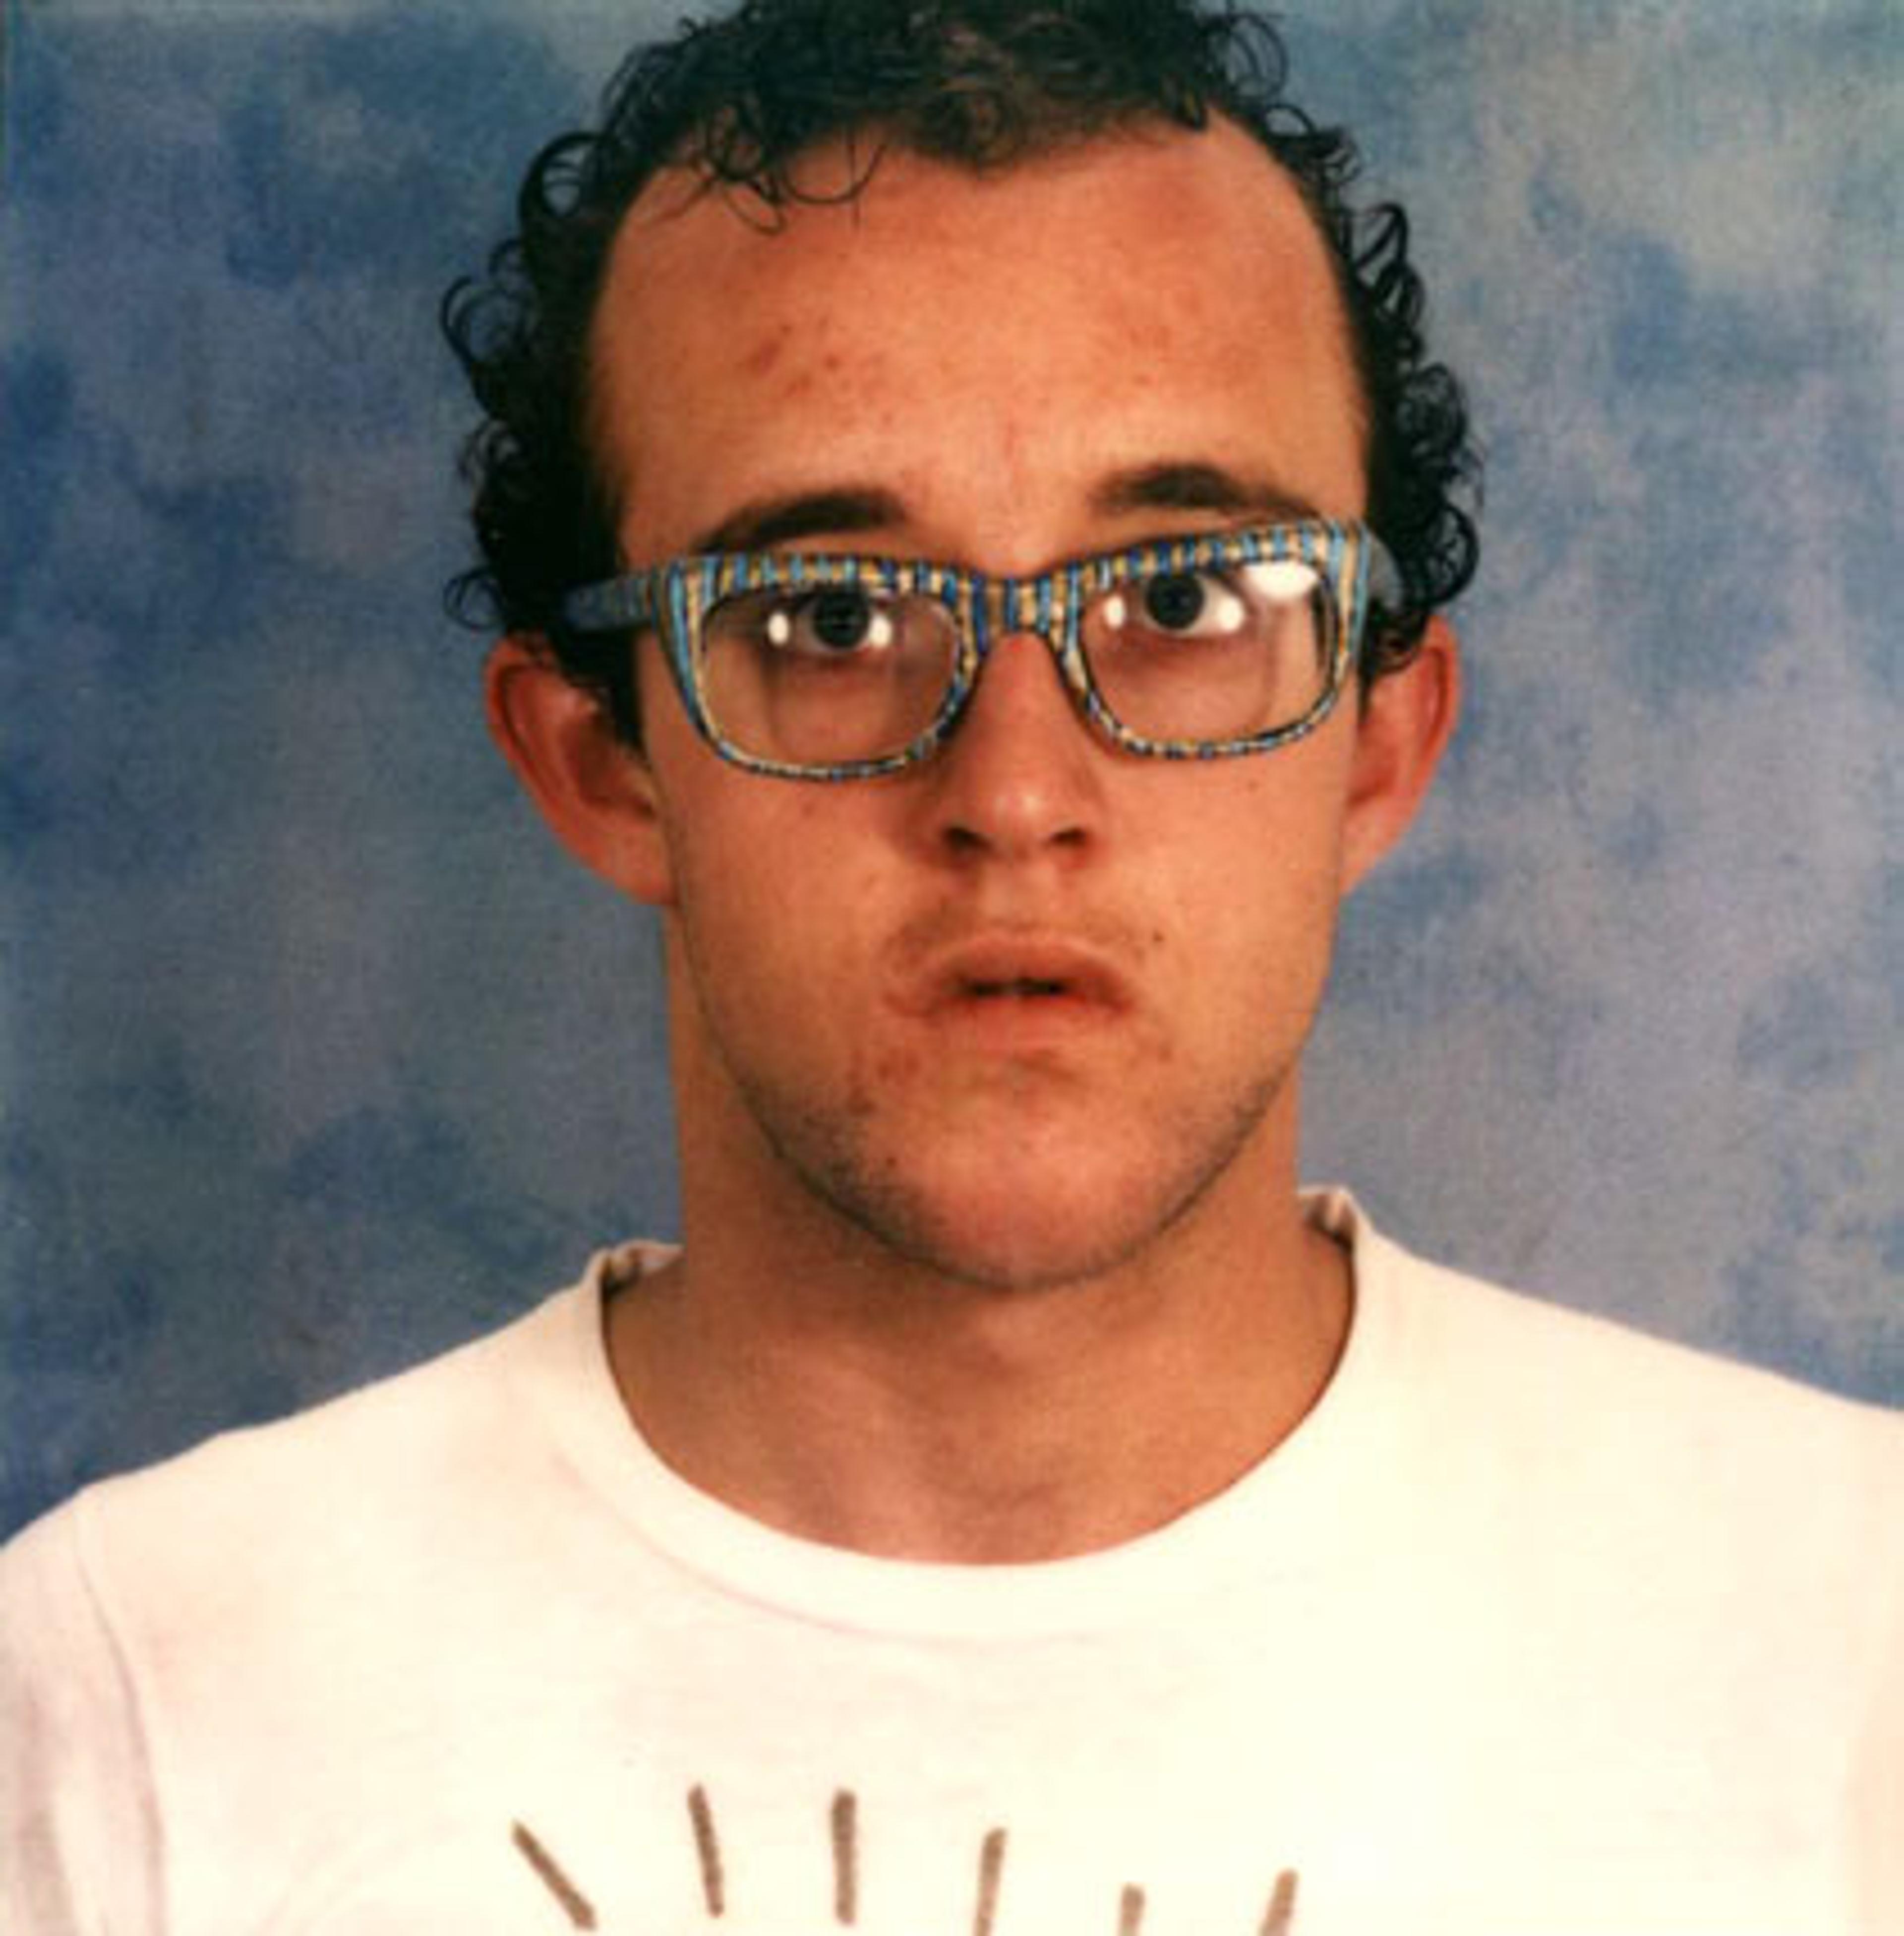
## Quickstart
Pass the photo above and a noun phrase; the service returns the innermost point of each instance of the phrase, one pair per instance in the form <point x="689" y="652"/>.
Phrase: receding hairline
<point x="868" y="147"/>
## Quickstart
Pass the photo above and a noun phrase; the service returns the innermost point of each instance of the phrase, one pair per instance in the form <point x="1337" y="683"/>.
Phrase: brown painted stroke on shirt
<point x="991" y="1867"/>
<point x="1279" y="1918"/>
<point x="846" y="1824"/>
<point x="707" y="1850"/>
<point x="580" y="1911"/>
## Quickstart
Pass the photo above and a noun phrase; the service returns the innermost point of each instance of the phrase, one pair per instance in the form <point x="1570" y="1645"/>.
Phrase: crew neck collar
<point x="1298" y="1508"/>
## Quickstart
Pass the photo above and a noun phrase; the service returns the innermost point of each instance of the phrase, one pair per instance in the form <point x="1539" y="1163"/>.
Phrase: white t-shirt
<point x="1533" y="1628"/>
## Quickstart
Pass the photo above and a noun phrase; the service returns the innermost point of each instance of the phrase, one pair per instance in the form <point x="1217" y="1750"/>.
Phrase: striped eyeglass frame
<point x="670" y="599"/>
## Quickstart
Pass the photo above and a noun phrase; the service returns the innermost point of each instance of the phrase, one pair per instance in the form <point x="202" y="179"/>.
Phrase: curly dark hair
<point x="981" y="83"/>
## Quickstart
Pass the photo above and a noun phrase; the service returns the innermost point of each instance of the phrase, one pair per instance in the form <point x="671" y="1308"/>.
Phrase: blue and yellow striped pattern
<point x="671" y="599"/>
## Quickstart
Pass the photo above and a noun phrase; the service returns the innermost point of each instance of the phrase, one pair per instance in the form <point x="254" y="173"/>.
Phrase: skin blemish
<point x="579" y="1910"/>
<point x="760" y="360"/>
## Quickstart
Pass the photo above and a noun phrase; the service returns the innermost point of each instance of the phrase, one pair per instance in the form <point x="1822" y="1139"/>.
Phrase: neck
<point x="807" y="1376"/>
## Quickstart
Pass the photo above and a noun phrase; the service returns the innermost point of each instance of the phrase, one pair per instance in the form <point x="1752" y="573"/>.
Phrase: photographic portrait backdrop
<point x="315" y="1054"/>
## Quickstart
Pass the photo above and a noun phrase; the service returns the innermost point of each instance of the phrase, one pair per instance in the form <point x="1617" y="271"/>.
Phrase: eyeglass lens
<point x="826" y="675"/>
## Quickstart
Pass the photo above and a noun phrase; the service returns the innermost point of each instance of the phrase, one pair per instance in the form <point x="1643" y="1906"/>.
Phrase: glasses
<point x="837" y="667"/>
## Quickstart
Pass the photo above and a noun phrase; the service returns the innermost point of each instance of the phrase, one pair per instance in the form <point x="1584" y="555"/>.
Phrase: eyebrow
<point x="1196" y="486"/>
<point x="1169" y="486"/>
<point x="767" y="521"/>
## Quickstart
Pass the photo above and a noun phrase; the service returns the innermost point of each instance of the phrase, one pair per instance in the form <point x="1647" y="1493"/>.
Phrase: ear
<point x="596" y="791"/>
<point x="1406" y="718"/>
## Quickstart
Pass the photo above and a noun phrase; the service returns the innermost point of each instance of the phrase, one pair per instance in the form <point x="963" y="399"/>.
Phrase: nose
<point x="1022" y="775"/>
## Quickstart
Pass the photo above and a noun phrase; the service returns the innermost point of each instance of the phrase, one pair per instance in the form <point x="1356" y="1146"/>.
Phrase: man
<point x="969" y="507"/>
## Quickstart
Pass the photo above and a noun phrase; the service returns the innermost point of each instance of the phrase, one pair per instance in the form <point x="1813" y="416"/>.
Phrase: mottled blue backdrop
<point x="314" y="1054"/>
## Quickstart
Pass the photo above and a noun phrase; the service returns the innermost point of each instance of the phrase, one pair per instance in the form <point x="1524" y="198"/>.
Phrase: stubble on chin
<point x="1060" y="1198"/>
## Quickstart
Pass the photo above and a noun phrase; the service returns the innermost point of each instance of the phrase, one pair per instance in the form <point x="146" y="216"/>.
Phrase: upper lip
<point x="1003" y="962"/>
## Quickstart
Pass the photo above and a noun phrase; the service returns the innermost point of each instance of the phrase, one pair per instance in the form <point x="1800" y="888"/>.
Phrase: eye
<point x="835" y="620"/>
<point x="1180" y="605"/>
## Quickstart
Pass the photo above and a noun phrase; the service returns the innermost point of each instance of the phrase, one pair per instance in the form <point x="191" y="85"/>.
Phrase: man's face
<point x="1014" y="1012"/>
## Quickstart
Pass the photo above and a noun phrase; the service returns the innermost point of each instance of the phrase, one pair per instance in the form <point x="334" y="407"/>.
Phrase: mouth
<point x="1031" y="975"/>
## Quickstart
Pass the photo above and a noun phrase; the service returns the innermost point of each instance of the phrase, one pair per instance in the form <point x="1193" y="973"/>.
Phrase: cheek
<point x="771" y="904"/>
<point x="1248" y="891"/>
<point x="1265" y="825"/>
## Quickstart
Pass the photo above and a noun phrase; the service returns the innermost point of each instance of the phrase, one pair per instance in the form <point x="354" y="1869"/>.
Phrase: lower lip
<point x="1018" y="1022"/>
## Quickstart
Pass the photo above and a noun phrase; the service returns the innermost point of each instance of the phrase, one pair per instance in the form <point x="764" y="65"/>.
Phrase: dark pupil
<point x="839" y="618"/>
<point x="1174" y="599"/>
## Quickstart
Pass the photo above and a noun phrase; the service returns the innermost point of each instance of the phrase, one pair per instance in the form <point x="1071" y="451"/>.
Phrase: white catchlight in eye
<point x="1284" y="580"/>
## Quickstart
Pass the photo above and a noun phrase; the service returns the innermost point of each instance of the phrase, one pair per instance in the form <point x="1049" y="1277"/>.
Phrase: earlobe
<point x="1407" y="719"/>
<point x="595" y="792"/>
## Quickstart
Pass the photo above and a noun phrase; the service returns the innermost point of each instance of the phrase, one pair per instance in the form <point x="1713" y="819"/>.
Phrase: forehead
<point x="983" y="347"/>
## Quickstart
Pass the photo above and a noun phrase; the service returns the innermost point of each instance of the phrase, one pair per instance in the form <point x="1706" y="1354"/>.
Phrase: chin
<point x="1019" y="1263"/>
<point x="1017" y="1199"/>
<point x="1033" y="1235"/>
